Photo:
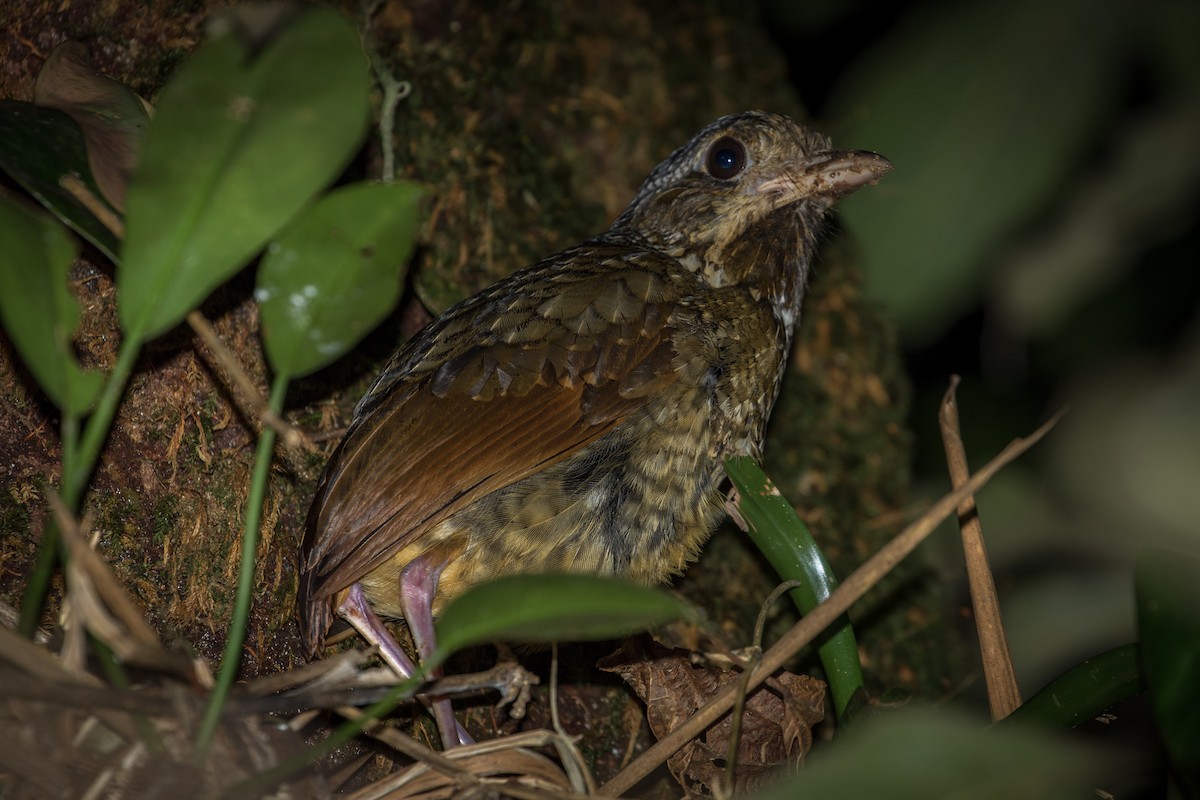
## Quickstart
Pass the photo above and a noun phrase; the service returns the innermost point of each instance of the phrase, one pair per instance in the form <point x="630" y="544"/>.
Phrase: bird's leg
<point x="358" y="612"/>
<point x="418" y="584"/>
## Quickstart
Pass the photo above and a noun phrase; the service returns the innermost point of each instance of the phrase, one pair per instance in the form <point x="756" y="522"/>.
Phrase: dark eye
<point x="726" y="158"/>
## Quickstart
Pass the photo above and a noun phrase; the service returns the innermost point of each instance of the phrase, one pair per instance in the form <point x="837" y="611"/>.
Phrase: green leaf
<point x="916" y="755"/>
<point x="38" y="310"/>
<point x="553" y="608"/>
<point x="238" y="146"/>
<point x="784" y="539"/>
<point x="1168" y="600"/>
<point x="335" y="273"/>
<point x="984" y="108"/>
<point x="37" y="147"/>
<point x="1084" y="691"/>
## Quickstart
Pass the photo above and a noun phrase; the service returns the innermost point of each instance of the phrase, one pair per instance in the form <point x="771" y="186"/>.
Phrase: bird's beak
<point x="832" y="174"/>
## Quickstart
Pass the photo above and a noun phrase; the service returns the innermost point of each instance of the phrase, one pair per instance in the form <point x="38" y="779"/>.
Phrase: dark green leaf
<point x="553" y="608"/>
<point x="238" y="146"/>
<point x="784" y="539"/>
<point x="1168" y="599"/>
<point x="983" y="108"/>
<point x="919" y="755"/>
<point x="1084" y="691"/>
<point x="335" y="273"/>
<point x="37" y="147"/>
<point x="39" y="312"/>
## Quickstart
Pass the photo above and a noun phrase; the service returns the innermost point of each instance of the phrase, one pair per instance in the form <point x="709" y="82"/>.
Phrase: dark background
<point x="1039" y="238"/>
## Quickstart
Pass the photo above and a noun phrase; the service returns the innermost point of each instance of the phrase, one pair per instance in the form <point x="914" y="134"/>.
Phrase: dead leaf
<point x="776" y="726"/>
<point x="111" y="116"/>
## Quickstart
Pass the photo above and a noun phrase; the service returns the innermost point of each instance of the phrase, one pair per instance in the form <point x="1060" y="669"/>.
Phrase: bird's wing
<point x="484" y="400"/>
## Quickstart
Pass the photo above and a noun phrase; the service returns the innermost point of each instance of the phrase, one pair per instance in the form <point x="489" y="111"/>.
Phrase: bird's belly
<point x="638" y="503"/>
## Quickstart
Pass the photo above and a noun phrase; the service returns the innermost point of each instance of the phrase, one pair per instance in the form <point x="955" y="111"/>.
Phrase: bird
<point x="574" y="416"/>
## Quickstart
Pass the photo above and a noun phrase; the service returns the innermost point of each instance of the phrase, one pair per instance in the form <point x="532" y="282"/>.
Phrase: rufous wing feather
<point x="422" y="454"/>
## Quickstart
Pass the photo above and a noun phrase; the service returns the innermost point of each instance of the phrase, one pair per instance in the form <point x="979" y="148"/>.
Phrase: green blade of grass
<point x="232" y="657"/>
<point x="786" y="542"/>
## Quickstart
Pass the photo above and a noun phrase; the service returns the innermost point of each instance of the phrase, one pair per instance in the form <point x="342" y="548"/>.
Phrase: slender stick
<point x="95" y="206"/>
<point x="1003" y="693"/>
<point x="809" y="627"/>
<point x="261" y="410"/>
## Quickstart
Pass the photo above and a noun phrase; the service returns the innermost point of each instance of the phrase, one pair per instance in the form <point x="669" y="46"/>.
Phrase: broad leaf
<point x="335" y="273"/>
<point x="238" y="146"/>
<point x="38" y="310"/>
<point x="552" y="608"/>
<point x="1084" y="691"/>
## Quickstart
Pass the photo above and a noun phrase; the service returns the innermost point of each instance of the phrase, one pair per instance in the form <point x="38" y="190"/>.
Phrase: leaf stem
<point x="78" y="462"/>
<point x="231" y="659"/>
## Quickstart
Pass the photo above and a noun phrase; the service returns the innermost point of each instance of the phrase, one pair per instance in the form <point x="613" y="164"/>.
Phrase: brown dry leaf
<point x="111" y="117"/>
<point x="776" y="726"/>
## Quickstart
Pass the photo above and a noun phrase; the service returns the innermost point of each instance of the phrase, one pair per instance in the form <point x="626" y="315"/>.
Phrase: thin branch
<point x="811" y="626"/>
<point x="261" y="410"/>
<point x="95" y="206"/>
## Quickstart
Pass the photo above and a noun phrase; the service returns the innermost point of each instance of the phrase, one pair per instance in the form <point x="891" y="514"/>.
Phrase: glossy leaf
<point x="335" y="273"/>
<point x="38" y="146"/>
<point x="238" y="146"/>
<point x="1168" y="601"/>
<point x="1084" y="691"/>
<point x="38" y="310"/>
<point x="783" y="538"/>
<point x="553" y="608"/>
<point x="916" y="755"/>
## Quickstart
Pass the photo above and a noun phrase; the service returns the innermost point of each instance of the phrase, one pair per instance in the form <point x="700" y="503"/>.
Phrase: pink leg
<point x="357" y="611"/>
<point x="418" y="584"/>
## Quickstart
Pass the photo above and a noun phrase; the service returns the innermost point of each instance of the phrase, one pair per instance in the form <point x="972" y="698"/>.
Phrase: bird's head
<point x="744" y="201"/>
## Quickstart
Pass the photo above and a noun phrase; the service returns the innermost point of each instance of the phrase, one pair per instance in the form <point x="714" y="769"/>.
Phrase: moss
<point x="16" y="554"/>
<point x="165" y="517"/>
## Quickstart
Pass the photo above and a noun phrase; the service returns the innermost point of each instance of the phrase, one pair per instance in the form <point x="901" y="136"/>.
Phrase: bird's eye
<point x="726" y="158"/>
